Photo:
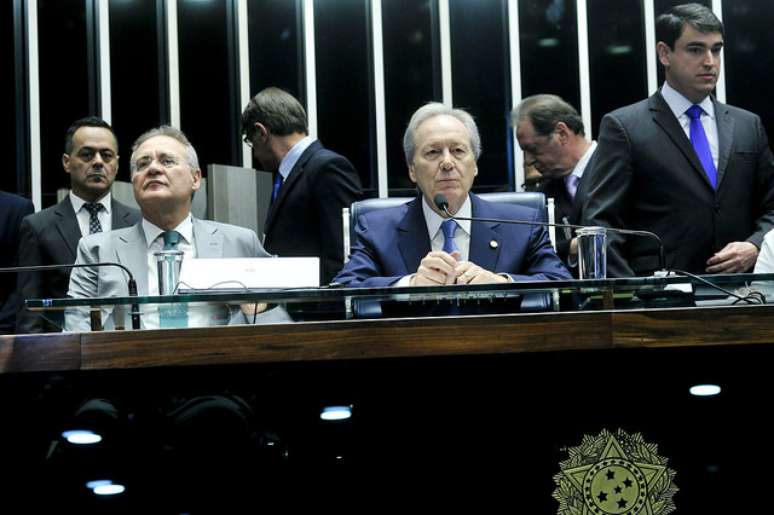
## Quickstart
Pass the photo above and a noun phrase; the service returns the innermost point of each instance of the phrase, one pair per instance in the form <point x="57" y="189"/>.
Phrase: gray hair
<point x="545" y="111"/>
<point x="278" y="110"/>
<point x="430" y="110"/>
<point x="170" y="132"/>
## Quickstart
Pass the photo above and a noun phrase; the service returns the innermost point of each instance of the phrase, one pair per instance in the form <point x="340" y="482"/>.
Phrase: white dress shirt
<point x="199" y="314"/>
<point x="679" y="105"/>
<point x="292" y="157"/>
<point x="434" y="221"/>
<point x="83" y="216"/>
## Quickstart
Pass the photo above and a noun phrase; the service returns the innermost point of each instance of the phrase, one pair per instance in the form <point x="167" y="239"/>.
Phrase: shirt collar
<point x="580" y="166"/>
<point x="78" y="202"/>
<point x="152" y="232"/>
<point x="291" y="158"/>
<point x="434" y="220"/>
<point x="679" y="104"/>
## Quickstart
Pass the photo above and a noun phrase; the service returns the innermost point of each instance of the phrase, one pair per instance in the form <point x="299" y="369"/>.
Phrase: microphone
<point x="131" y="283"/>
<point x="442" y="204"/>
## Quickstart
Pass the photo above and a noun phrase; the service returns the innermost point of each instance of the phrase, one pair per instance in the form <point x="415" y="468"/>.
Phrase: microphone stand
<point x="131" y="283"/>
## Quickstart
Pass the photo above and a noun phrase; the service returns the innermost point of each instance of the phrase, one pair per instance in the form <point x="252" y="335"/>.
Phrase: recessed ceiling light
<point x="81" y="436"/>
<point x="336" y="412"/>
<point x="705" y="390"/>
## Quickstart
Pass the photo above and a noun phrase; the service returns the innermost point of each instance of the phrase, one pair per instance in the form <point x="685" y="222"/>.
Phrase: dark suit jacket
<point x="12" y="209"/>
<point x="390" y="243"/>
<point x="566" y="210"/>
<point x="646" y="176"/>
<point x="305" y="219"/>
<point x="50" y="237"/>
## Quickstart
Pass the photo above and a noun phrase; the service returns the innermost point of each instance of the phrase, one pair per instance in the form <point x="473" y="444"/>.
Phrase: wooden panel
<point x="347" y="340"/>
<point x="695" y="326"/>
<point x="40" y="352"/>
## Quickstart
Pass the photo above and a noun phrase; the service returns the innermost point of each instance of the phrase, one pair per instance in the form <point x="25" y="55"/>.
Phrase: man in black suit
<point x="311" y="184"/>
<point x="696" y="172"/>
<point x="550" y="132"/>
<point x="12" y="209"/>
<point x="51" y="236"/>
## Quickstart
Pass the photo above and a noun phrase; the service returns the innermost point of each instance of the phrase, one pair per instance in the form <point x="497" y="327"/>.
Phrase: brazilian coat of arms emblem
<point x="614" y="474"/>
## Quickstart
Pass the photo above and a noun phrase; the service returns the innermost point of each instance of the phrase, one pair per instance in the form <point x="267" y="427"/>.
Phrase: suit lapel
<point x="120" y="216"/>
<point x="725" y="138"/>
<point x="665" y="118"/>
<point x="413" y="240"/>
<point x="482" y="251"/>
<point x="132" y="252"/>
<point x="67" y="226"/>
<point x="209" y="240"/>
<point x="291" y="181"/>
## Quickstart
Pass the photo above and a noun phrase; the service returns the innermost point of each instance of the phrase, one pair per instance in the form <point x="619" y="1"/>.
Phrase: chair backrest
<point x="532" y="199"/>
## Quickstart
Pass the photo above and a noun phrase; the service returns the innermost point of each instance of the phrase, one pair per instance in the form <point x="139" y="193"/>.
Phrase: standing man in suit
<point x="165" y="176"/>
<point x="550" y="132"/>
<point x="696" y="172"/>
<point x="12" y="209"/>
<point x="51" y="236"/>
<point x="415" y="244"/>
<point x="311" y="184"/>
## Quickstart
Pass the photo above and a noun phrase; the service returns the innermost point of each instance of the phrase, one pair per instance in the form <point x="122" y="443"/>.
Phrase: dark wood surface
<point x="366" y="339"/>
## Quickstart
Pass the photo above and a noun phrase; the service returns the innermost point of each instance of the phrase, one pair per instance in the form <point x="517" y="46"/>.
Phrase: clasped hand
<point x="438" y="268"/>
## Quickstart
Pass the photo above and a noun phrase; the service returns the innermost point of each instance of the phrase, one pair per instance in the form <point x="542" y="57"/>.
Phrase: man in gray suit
<point x="165" y="176"/>
<point x="51" y="236"/>
<point x="696" y="172"/>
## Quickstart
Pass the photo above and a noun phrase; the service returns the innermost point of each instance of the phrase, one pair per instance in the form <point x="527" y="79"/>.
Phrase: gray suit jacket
<point x="645" y="175"/>
<point x="51" y="237"/>
<point x="129" y="248"/>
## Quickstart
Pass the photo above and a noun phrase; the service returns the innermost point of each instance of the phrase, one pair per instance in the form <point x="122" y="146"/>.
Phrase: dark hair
<point x="545" y="111"/>
<point x="670" y="25"/>
<point x="278" y="110"/>
<point x="89" y="121"/>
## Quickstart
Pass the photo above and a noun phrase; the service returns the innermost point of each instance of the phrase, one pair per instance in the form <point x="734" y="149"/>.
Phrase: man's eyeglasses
<point x="248" y="139"/>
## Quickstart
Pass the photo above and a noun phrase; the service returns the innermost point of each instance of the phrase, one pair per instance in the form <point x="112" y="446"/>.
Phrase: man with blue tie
<point x="696" y="172"/>
<point x="417" y="245"/>
<point x="311" y="183"/>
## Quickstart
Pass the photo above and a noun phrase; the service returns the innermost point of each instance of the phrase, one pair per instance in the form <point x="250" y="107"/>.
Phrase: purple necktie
<point x="449" y="227"/>
<point x="701" y="144"/>
<point x="571" y="183"/>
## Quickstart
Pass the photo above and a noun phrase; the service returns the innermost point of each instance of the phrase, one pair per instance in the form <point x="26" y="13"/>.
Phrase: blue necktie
<point x="172" y="315"/>
<point x="277" y="185"/>
<point x="449" y="227"/>
<point x="701" y="144"/>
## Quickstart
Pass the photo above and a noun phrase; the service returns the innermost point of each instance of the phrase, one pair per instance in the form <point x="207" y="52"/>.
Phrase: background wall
<point x="359" y="66"/>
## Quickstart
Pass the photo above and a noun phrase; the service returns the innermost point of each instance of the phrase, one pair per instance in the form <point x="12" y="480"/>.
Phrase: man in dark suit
<point x="417" y="245"/>
<point x="12" y="209"/>
<point x="51" y="236"/>
<point x="696" y="172"/>
<point x="311" y="184"/>
<point x="550" y="132"/>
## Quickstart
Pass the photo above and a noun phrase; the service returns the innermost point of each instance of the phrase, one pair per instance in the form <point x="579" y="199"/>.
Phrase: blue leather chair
<point x="532" y="199"/>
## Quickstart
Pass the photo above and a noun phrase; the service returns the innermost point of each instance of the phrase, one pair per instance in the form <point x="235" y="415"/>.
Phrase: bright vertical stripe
<point x="650" y="45"/>
<point x="720" y="88"/>
<point x="174" y="64"/>
<point x="34" y="85"/>
<point x="311" y="67"/>
<point x="103" y="36"/>
<point x="583" y="65"/>
<point x="446" y="60"/>
<point x="515" y="62"/>
<point x="379" y="100"/>
<point x="244" y="71"/>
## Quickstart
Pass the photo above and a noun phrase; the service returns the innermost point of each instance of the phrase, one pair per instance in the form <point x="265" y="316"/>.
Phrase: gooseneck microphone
<point x="131" y="283"/>
<point x="442" y="204"/>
